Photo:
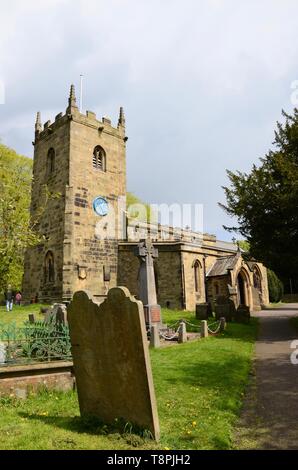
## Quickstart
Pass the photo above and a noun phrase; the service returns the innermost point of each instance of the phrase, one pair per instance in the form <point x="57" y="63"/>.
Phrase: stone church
<point x="79" y="180"/>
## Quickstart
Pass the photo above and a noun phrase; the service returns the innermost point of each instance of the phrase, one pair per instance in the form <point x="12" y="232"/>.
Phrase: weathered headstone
<point x="147" y="288"/>
<point x="57" y="313"/>
<point x="61" y="315"/>
<point x="224" y="307"/>
<point x="202" y="311"/>
<point x="222" y="324"/>
<point x="242" y="314"/>
<point x="31" y="318"/>
<point x="3" y="347"/>
<point x="111" y="359"/>
<point x="21" y="393"/>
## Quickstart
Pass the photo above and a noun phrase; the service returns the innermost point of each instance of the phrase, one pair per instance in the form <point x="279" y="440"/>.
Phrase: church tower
<point x="78" y="205"/>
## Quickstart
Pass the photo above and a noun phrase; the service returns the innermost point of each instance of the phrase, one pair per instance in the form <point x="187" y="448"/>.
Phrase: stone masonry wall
<point x="51" y="220"/>
<point x="91" y="241"/>
<point x="167" y="271"/>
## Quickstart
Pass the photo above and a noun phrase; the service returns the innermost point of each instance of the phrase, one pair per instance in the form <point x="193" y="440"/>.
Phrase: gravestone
<point x="202" y="311"/>
<point x="222" y="324"/>
<point x="3" y="347"/>
<point x="224" y="307"/>
<point x="57" y="313"/>
<point x="111" y="359"/>
<point x="61" y="315"/>
<point x="242" y="314"/>
<point x="147" y="288"/>
<point x="31" y="318"/>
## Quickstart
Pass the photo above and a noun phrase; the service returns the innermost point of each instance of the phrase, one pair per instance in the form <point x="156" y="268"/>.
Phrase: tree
<point x="134" y="204"/>
<point x="265" y="202"/>
<point x="15" y="231"/>
<point x="275" y="287"/>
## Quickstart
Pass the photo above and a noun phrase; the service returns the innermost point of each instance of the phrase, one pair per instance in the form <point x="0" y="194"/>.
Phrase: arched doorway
<point x="242" y="293"/>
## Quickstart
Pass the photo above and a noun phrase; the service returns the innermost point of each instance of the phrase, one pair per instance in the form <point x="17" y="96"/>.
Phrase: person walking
<point x="9" y="299"/>
<point x="18" y="298"/>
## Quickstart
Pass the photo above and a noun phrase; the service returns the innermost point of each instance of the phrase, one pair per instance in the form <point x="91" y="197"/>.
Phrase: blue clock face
<point x="100" y="206"/>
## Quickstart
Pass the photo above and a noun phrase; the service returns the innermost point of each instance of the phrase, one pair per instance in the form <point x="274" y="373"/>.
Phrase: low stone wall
<point x="19" y="380"/>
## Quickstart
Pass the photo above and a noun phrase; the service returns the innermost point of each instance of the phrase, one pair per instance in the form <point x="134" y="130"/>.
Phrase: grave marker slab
<point x="111" y="359"/>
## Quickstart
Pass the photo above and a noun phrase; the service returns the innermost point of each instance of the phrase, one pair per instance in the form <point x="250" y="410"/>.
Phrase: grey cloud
<point x="202" y="85"/>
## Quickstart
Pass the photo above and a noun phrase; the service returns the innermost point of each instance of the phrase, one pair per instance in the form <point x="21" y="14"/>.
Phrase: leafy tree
<point x="275" y="287"/>
<point x="244" y="245"/>
<point x="265" y="202"/>
<point x="133" y="204"/>
<point x="15" y="231"/>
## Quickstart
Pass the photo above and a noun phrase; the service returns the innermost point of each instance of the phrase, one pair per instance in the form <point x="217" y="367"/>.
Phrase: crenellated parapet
<point x="73" y="114"/>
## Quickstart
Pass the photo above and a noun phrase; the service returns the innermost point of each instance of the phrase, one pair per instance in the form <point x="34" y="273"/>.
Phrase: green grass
<point x="199" y="387"/>
<point x="20" y="313"/>
<point x="275" y="305"/>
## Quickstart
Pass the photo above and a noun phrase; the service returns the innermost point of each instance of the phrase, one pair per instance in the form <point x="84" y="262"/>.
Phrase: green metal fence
<point x="34" y="342"/>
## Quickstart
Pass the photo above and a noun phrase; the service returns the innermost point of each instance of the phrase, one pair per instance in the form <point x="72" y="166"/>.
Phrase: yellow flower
<point x="167" y="448"/>
<point x="194" y="423"/>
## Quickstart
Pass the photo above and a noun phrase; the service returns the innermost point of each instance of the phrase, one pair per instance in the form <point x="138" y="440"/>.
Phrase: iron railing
<point x="34" y="342"/>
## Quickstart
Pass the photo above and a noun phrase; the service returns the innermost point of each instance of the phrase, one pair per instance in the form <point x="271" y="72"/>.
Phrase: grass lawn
<point x="199" y="387"/>
<point x="275" y="305"/>
<point x="20" y="313"/>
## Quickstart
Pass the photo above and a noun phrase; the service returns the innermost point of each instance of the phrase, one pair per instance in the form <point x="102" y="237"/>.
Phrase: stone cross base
<point x="152" y="314"/>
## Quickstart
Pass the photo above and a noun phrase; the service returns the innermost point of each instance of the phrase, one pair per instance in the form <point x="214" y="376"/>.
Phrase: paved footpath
<point x="269" y="418"/>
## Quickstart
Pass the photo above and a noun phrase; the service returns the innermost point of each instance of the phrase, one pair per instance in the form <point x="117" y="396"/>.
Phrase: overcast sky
<point x="202" y="83"/>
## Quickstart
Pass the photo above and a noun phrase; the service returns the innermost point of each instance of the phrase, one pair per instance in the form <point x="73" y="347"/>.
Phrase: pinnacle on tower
<point x="38" y="125"/>
<point x="121" y="121"/>
<point x="72" y="101"/>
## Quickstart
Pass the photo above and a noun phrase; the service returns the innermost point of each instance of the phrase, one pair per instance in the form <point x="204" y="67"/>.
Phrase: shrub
<point x="275" y="286"/>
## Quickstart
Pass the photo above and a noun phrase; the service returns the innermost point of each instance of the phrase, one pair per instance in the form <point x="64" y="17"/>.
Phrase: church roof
<point x="223" y="265"/>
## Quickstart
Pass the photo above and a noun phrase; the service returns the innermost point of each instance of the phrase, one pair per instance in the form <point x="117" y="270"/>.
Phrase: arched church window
<point x="197" y="268"/>
<point x="257" y="279"/>
<point x="51" y="161"/>
<point x="99" y="158"/>
<point x="49" y="267"/>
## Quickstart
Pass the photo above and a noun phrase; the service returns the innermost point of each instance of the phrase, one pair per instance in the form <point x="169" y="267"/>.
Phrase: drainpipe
<point x="205" y="280"/>
<point x="182" y="283"/>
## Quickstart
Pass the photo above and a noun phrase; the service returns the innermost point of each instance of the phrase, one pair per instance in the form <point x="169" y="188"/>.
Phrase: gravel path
<point x="269" y="418"/>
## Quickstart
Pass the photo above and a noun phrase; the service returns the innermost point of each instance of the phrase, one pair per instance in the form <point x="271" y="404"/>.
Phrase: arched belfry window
<point x="99" y="158"/>
<point x="197" y="273"/>
<point x="49" y="267"/>
<point x="51" y="161"/>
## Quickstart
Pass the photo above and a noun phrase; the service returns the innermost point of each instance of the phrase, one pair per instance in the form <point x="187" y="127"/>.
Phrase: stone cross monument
<point x="147" y="289"/>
